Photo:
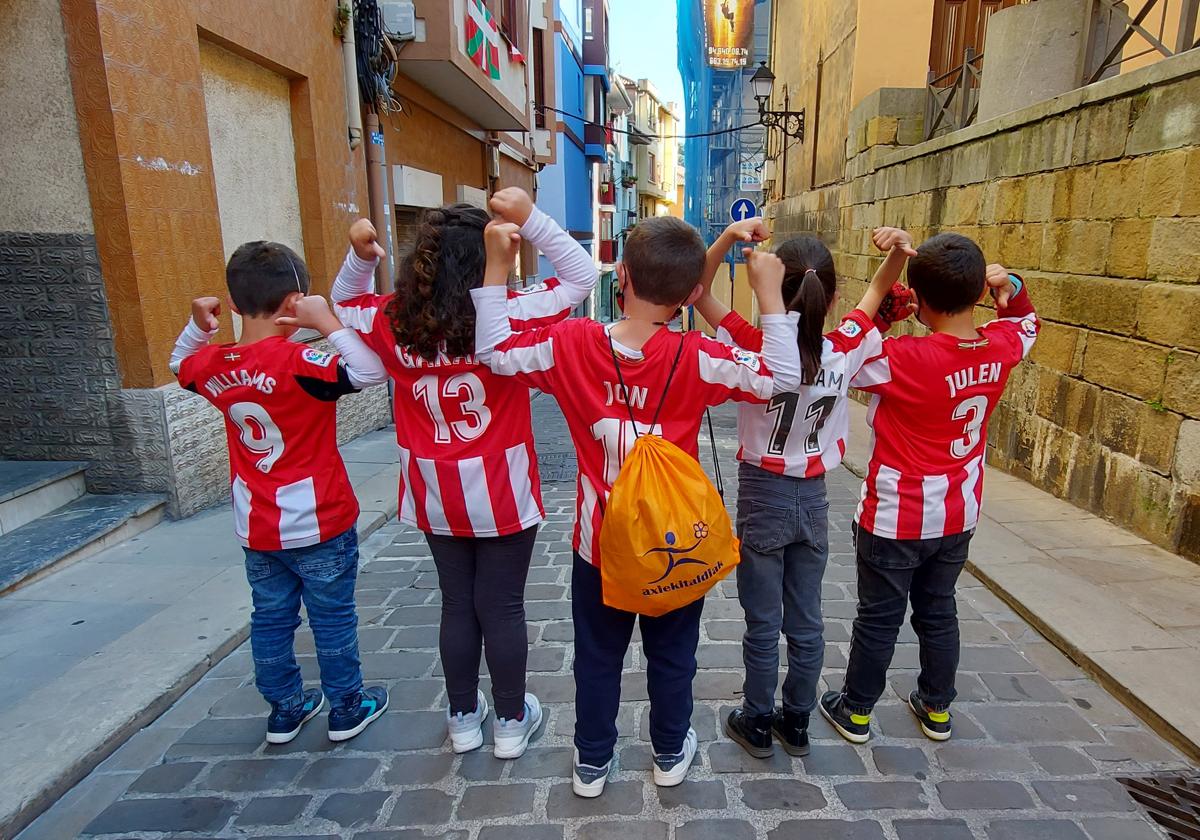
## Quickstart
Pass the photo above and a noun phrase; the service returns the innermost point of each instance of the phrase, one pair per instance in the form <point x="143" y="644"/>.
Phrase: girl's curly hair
<point x="432" y="304"/>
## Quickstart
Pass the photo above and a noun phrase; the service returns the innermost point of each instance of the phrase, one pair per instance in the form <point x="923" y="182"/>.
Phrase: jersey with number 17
<point x="803" y="433"/>
<point x="931" y="397"/>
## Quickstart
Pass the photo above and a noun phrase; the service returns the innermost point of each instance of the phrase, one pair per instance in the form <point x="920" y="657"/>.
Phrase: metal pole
<point x="377" y="193"/>
<point x="964" y="78"/>
<point x="1186" y="39"/>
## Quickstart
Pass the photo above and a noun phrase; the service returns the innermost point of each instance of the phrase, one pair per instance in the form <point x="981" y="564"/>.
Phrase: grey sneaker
<point x="670" y="770"/>
<point x="513" y="736"/>
<point x="466" y="731"/>
<point x="588" y="781"/>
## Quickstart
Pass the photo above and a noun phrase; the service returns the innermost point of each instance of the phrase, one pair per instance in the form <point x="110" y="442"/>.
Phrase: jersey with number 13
<point x="931" y="397"/>
<point x="803" y="433"/>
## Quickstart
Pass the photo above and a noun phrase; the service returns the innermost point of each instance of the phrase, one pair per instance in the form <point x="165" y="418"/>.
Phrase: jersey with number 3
<point x="467" y="462"/>
<point x="803" y="433"/>
<point x="931" y="397"/>
<point x="279" y="400"/>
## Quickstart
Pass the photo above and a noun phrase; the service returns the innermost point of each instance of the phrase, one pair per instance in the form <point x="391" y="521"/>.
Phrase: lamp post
<point x="791" y="123"/>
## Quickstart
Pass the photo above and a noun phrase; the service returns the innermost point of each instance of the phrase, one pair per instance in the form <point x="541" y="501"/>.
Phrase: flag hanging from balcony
<point x="483" y="39"/>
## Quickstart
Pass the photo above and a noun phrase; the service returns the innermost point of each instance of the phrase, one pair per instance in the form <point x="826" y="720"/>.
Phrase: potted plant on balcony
<point x="629" y="181"/>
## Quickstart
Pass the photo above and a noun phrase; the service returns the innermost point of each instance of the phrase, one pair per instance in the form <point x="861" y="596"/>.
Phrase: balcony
<point x="608" y="251"/>
<point x="439" y="63"/>
<point x="608" y="193"/>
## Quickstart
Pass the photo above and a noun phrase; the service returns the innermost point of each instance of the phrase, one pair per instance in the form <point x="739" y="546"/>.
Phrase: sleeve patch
<point x="746" y="358"/>
<point x="1029" y="328"/>
<point x="317" y="357"/>
<point x="850" y="328"/>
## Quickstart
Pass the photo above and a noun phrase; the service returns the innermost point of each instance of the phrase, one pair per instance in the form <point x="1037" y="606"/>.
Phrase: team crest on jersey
<point x="1029" y="328"/>
<point x="745" y="357"/>
<point x="317" y="357"/>
<point x="850" y="329"/>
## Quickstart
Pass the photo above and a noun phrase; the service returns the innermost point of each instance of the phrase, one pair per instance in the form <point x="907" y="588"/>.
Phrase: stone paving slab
<point x="1037" y="741"/>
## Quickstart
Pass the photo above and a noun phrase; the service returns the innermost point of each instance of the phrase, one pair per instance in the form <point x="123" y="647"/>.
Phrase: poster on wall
<point x="750" y="178"/>
<point x="729" y="32"/>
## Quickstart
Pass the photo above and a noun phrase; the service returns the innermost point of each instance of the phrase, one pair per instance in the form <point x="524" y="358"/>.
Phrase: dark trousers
<point x="483" y="609"/>
<point x="602" y="637"/>
<point x="783" y="523"/>
<point x="891" y="573"/>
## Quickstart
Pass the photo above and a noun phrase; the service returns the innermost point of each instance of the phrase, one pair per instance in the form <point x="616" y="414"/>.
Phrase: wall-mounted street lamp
<point x="790" y="123"/>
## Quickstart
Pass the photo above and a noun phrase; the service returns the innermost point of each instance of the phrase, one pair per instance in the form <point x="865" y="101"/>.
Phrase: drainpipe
<point x="377" y="192"/>
<point x="350" y="65"/>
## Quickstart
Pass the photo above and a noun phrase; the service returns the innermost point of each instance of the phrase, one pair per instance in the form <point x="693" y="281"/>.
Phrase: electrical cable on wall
<point x="377" y="55"/>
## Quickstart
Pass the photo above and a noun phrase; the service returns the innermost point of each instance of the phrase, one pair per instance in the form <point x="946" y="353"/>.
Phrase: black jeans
<point x="602" y="637"/>
<point x="890" y="574"/>
<point x="483" y="609"/>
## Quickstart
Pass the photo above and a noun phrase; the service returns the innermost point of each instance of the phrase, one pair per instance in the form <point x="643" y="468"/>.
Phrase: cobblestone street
<point x="1036" y="742"/>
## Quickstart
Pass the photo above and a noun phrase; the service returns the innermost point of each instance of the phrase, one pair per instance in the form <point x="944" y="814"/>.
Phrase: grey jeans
<point x="783" y="523"/>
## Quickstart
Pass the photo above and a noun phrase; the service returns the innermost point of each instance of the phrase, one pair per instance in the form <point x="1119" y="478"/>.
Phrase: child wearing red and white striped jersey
<point x="786" y="446"/>
<point x="293" y="507"/>
<point x="468" y="472"/>
<point x="931" y="397"/>
<point x="665" y="375"/>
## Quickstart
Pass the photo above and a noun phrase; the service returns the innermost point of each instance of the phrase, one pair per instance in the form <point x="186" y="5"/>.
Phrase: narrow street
<point x="1036" y="748"/>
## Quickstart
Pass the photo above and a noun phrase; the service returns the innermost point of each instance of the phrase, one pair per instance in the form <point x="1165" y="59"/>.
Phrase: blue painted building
<point x="567" y="187"/>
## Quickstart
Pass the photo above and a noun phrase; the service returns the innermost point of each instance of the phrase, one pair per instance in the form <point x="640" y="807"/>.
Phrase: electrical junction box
<point x="399" y="18"/>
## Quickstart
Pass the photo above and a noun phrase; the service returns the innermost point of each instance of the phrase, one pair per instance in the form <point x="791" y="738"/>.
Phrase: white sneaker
<point x="512" y="736"/>
<point x="466" y="731"/>
<point x="588" y="781"/>
<point x="670" y="770"/>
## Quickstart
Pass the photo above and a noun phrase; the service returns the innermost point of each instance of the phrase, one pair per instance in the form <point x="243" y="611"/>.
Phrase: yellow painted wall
<point x="891" y="46"/>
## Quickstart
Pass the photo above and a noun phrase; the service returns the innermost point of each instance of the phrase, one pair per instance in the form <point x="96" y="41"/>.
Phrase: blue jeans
<point x="783" y="523"/>
<point x="323" y="576"/>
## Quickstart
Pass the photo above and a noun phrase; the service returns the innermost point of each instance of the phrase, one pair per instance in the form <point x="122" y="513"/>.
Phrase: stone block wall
<point x="1095" y="198"/>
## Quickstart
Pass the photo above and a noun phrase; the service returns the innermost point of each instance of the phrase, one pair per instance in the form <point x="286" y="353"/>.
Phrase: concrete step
<point x="76" y="530"/>
<point x="29" y="489"/>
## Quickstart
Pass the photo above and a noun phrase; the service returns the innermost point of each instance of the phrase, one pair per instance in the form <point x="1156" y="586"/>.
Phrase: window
<point x="587" y="23"/>
<point x="539" y="78"/>
<point x="606" y="221"/>
<point x="653" y="173"/>
<point x="511" y="19"/>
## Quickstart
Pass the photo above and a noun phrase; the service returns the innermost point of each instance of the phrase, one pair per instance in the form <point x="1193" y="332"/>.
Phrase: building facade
<point x="148" y="139"/>
<point x="657" y="160"/>
<point x="1068" y="161"/>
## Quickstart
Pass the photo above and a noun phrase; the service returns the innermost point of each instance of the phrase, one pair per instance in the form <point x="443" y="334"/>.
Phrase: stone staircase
<point x="48" y="519"/>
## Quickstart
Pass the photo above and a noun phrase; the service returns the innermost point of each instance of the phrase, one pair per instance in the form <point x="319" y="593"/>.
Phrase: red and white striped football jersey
<point x="803" y="433"/>
<point x="573" y="362"/>
<point x="931" y="397"/>
<point x="279" y="400"/>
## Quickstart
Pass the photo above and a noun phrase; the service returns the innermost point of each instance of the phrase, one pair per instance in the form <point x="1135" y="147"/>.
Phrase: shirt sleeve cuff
<point x="358" y="264"/>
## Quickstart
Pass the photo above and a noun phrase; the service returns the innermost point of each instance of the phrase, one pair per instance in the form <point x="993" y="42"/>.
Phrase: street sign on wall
<point x="729" y="32"/>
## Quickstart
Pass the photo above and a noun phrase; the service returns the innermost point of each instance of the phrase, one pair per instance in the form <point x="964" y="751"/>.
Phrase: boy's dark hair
<point x="432" y="303"/>
<point x="664" y="257"/>
<point x="809" y="285"/>
<point x="948" y="273"/>
<point x="260" y="275"/>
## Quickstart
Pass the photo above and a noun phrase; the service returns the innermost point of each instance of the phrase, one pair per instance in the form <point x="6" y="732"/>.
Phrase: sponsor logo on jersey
<point x="850" y="329"/>
<point x="317" y="357"/>
<point x="745" y="357"/>
<point x="1029" y="327"/>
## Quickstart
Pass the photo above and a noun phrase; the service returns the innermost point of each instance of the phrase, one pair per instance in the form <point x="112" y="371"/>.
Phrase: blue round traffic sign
<point x="741" y="209"/>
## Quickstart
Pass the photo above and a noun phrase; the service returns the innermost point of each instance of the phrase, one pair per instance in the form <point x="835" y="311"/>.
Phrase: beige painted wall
<point x="891" y="46"/>
<point x="254" y="158"/>
<point x="41" y="164"/>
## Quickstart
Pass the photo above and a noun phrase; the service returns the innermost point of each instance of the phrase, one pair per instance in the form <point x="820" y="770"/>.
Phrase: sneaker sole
<point x="589" y="790"/>
<point x="476" y="740"/>
<point x="347" y="734"/>
<point x="288" y="737"/>
<point x="852" y="737"/>
<point x="931" y="734"/>
<point x="755" y="752"/>
<point x="517" y="749"/>
<point x="798" y="752"/>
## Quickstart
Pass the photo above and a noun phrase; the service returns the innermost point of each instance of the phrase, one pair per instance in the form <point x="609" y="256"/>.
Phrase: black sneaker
<point x="791" y="728"/>
<point x="853" y="725"/>
<point x="284" y="725"/>
<point x="752" y="732"/>
<point x="935" y="723"/>
<point x="351" y="718"/>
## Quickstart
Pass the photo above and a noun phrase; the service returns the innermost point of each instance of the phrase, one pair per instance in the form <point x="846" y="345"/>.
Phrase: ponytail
<point x="812" y="304"/>
<point x="809" y="286"/>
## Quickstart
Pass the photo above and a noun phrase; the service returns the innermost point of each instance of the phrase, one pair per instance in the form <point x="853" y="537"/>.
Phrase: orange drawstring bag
<point x="666" y="538"/>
